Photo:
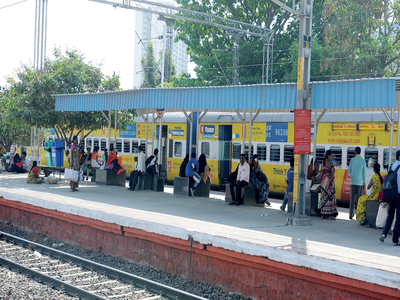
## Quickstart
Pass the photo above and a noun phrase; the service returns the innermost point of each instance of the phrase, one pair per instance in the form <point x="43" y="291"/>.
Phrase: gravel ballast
<point x="202" y="289"/>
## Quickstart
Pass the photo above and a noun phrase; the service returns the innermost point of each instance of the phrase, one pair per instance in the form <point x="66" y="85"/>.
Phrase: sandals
<point x="382" y="238"/>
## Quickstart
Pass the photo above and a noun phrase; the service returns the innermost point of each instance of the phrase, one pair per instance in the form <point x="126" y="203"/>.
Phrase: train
<point x="220" y="137"/>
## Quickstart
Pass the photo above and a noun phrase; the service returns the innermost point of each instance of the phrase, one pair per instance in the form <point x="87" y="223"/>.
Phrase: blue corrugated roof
<point x="353" y="94"/>
<point x="282" y="96"/>
<point x="325" y="95"/>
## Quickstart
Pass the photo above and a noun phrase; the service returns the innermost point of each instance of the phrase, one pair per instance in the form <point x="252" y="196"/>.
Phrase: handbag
<point x="382" y="215"/>
<point x="71" y="174"/>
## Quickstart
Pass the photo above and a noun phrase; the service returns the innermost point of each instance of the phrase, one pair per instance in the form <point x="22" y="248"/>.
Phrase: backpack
<point x="389" y="188"/>
<point x="148" y="161"/>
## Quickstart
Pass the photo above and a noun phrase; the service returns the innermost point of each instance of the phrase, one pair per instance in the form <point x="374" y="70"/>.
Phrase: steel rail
<point x="58" y="284"/>
<point x="124" y="276"/>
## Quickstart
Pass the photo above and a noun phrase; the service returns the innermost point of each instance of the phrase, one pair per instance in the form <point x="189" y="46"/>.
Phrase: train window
<point x="386" y="158"/>
<point x="337" y="156"/>
<point x="178" y="149"/>
<point x="287" y="153"/>
<point x="247" y="151"/>
<point x="135" y="146"/>
<point x="275" y="153"/>
<point x="350" y="154"/>
<point x="119" y="146"/>
<point x="143" y="144"/>
<point x="236" y="150"/>
<point x="205" y="149"/>
<point x="88" y="144"/>
<point x="103" y="144"/>
<point x="95" y="142"/>
<point x="262" y="152"/>
<point x="371" y="156"/>
<point x="320" y="154"/>
<point x="127" y="146"/>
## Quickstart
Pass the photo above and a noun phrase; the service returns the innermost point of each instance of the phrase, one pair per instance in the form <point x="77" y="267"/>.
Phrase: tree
<point x="211" y="48"/>
<point x="150" y="69"/>
<point x="11" y="134"/>
<point x="363" y="37"/>
<point x="29" y="99"/>
<point x="169" y="67"/>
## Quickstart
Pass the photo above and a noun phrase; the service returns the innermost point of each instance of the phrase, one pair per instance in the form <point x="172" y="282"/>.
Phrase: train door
<point x="224" y="141"/>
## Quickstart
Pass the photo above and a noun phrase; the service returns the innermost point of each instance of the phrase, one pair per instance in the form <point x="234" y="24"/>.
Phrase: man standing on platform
<point x="242" y="179"/>
<point x="358" y="172"/>
<point x="289" y="181"/>
<point x="140" y="170"/>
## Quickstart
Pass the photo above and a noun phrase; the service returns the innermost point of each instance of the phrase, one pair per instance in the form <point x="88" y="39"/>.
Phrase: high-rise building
<point x="150" y="29"/>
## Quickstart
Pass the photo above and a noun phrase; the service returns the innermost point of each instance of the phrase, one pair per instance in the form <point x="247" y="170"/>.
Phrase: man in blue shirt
<point x="289" y="180"/>
<point x="358" y="173"/>
<point x="192" y="170"/>
<point x="394" y="203"/>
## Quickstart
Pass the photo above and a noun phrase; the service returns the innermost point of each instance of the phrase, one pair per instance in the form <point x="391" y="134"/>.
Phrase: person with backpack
<point x="391" y="193"/>
<point x="192" y="170"/>
<point x="151" y="163"/>
<point x="358" y="173"/>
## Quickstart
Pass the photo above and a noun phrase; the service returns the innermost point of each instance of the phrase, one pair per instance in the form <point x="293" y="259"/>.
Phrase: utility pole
<point x="302" y="103"/>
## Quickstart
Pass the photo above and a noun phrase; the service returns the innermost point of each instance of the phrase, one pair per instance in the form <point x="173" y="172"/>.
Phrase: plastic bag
<point x="71" y="175"/>
<point x="382" y="215"/>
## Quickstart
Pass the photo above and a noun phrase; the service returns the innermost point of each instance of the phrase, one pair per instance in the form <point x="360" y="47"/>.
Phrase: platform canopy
<point x="346" y="95"/>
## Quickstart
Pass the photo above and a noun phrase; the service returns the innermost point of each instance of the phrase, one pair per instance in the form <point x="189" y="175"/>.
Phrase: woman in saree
<point x="328" y="192"/>
<point x="33" y="176"/>
<point x="376" y="194"/>
<point x="113" y="162"/>
<point x="204" y="169"/>
<point x="259" y="180"/>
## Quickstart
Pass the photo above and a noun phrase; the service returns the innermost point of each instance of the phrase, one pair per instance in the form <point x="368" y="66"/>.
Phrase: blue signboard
<point x="178" y="132"/>
<point x="207" y="129"/>
<point x="130" y="131"/>
<point x="277" y="132"/>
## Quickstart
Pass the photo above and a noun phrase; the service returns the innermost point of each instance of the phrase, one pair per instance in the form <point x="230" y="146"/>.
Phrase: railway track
<point x="80" y="277"/>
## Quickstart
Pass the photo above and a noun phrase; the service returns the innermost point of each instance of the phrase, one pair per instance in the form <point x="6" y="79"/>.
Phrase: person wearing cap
<point x="75" y="162"/>
<point x="139" y="170"/>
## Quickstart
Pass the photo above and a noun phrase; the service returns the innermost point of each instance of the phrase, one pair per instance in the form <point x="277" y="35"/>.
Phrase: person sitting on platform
<point x="112" y="163"/>
<point x="33" y="176"/>
<point x="26" y="162"/>
<point x="259" y="180"/>
<point x="242" y="179"/>
<point x="16" y="166"/>
<point x="139" y="171"/>
<point x="314" y="173"/>
<point x="204" y="169"/>
<point x="151" y="163"/>
<point x="182" y="169"/>
<point x="192" y="170"/>
<point x="95" y="156"/>
<point x="376" y="195"/>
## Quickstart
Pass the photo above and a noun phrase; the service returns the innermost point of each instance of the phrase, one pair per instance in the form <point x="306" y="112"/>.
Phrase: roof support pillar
<point x="190" y="120"/>
<point x="197" y="135"/>
<point x="391" y="124"/>
<point x="251" y="125"/>
<point x="398" y="125"/>
<point x="316" y="123"/>
<point x="152" y="134"/>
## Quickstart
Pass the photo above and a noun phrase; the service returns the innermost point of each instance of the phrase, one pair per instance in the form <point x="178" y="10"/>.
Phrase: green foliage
<point x="362" y="37"/>
<point x="150" y="68"/>
<point x="185" y="80"/>
<point x="11" y="134"/>
<point x="28" y="99"/>
<point x="211" y="48"/>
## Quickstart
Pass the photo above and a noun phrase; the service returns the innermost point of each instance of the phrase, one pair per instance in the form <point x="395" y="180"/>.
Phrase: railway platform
<point x="208" y="240"/>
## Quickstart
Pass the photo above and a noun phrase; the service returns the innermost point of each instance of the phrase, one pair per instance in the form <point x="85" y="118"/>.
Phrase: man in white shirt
<point x="140" y="170"/>
<point x="26" y="162"/>
<point x="242" y="179"/>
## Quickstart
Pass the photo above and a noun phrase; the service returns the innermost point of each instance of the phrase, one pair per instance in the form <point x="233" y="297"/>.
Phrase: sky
<point x="104" y="34"/>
